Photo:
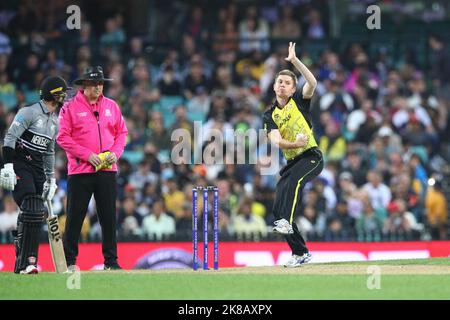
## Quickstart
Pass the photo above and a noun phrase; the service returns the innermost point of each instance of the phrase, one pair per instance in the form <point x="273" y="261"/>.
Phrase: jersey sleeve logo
<point x="18" y="120"/>
<point x="39" y="123"/>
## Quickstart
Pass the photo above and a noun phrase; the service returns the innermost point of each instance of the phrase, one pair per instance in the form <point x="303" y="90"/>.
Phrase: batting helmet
<point x="53" y="89"/>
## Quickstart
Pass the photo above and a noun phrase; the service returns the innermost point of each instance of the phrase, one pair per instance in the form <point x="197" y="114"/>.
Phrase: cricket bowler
<point x="288" y="125"/>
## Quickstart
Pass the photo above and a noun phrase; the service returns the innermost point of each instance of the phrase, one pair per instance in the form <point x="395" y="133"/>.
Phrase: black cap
<point x="52" y="87"/>
<point x="92" y="74"/>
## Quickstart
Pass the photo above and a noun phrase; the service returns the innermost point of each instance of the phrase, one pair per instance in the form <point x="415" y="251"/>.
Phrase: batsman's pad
<point x="29" y="224"/>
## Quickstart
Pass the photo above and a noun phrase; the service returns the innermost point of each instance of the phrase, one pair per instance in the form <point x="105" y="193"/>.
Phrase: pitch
<point x="398" y="279"/>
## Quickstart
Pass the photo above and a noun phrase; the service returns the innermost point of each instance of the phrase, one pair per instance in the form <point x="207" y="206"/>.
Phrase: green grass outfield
<point x="399" y="279"/>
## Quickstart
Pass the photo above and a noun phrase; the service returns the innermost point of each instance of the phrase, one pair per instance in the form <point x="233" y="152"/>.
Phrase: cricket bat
<point x="55" y="241"/>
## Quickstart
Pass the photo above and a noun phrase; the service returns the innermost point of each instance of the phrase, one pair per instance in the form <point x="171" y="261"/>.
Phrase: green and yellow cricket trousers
<point x="294" y="177"/>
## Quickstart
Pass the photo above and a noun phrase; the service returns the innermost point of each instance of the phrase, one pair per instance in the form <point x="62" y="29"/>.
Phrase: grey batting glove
<point x="49" y="189"/>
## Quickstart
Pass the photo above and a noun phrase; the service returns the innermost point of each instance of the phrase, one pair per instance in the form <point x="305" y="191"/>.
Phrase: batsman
<point x="29" y="157"/>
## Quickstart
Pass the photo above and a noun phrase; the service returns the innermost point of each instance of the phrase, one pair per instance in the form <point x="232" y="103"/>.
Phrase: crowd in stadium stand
<point x="381" y="123"/>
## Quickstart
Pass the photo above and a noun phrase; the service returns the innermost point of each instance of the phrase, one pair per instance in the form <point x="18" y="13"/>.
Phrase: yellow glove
<point x="104" y="164"/>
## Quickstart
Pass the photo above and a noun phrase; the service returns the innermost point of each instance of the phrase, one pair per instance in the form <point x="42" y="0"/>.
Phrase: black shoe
<point x="112" y="267"/>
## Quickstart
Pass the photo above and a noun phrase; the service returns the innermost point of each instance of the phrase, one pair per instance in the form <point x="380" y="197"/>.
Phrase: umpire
<point x="29" y="155"/>
<point x="93" y="134"/>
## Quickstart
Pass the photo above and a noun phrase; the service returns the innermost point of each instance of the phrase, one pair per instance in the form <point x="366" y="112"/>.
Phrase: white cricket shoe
<point x="31" y="269"/>
<point x="296" y="260"/>
<point x="282" y="226"/>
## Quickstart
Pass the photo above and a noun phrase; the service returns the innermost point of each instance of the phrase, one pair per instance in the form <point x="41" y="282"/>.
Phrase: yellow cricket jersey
<point x="291" y="120"/>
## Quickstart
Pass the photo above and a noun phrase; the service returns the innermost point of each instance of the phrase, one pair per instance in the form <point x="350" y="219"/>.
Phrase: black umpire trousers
<point x="287" y="204"/>
<point x="80" y="189"/>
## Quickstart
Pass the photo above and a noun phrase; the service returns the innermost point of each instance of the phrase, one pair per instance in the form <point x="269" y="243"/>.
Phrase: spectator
<point x="129" y="221"/>
<point x="332" y="144"/>
<point x="221" y="108"/>
<point x="253" y="35"/>
<point x="337" y="101"/>
<point x="171" y="63"/>
<point x="199" y="58"/>
<point x="226" y="39"/>
<point x="379" y="193"/>
<point x="346" y="187"/>
<point x="136" y="138"/>
<point x="223" y="81"/>
<point x="414" y="134"/>
<point x="199" y="104"/>
<point x="396" y="164"/>
<point x="355" y="203"/>
<point x="356" y="166"/>
<point x="86" y="38"/>
<point x="341" y="225"/>
<point x="419" y="176"/>
<point x="311" y="223"/>
<point x="315" y="29"/>
<point x="316" y="200"/>
<point x="361" y="76"/>
<point x="184" y="220"/>
<point x="400" y="222"/>
<point x="158" y="135"/>
<point x="195" y="80"/>
<point x="196" y="26"/>
<point x="3" y="123"/>
<point x="26" y="78"/>
<point x="391" y="141"/>
<point x="173" y="198"/>
<point x="150" y="155"/>
<point x="188" y="47"/>
<point x="5" y="47"/>
<point x="287" y="26"/>
<point x="143" y="175"/>
<point x="123" y="176"/>
<point x="331" y="67"/>
<point x="369" y="226"/>
<point x="363" y="123"/>
<point x="8" y="218"/>
<point x="114" y="36"/>
<point x="402" y="188"/>
<point x="142" y="89"/>
<point x="322" y="188"/>
<point x="378" y="156"/>
<point x="249" y="70"/>
<point x="409" y="113"/>
<point x="270" y="67"/>
<point x="181" y="120"/>
<point x="440" y="68"/>
<point x="437" y="213"/>
<point x="168" y="85"/>
<point x="7" y="92"/>
<point x="247" y="224"/>
<point x="150" y="194"/>
<point x="158" y="224"/>
<point x="52" y="63"/>
<point x="136" y="51"/>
